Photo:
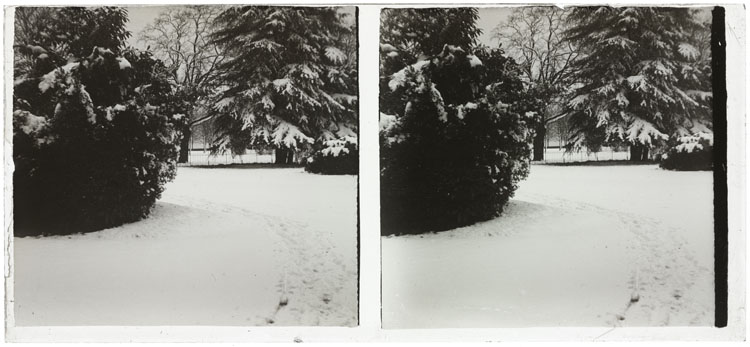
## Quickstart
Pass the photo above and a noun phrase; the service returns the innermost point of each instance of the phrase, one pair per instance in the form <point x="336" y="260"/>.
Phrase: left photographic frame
<point x="183" y="166"/>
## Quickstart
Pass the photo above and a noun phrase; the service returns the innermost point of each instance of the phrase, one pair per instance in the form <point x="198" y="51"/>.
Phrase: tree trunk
<point x="185" y="145"/>
<point x="644" y="154"/>
<point x="283" y="155"/>
<point x="635" y="153"/>
<point x="290" y="156"/>
<point x="541" y="131"/>
<point x="280" y="156"/>
<point x="638" y="152"/>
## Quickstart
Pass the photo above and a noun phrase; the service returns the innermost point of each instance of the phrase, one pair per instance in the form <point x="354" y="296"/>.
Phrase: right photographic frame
<point x="553" y="167"/>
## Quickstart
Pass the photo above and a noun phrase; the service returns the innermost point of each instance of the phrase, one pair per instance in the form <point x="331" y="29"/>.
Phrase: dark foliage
<point x="459" y="143"/>
<point x="408" y="35"/>
<point x="94" y="140"/>
<point x="680" y="158"/>
<point x="337" y="157"/>
<point x="424" y="31"/>
<point x="46" y="37"/>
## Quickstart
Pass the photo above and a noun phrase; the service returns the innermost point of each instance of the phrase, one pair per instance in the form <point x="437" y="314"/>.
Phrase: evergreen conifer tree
<point x="287" y="82"/>
<point x="642" y="77"/>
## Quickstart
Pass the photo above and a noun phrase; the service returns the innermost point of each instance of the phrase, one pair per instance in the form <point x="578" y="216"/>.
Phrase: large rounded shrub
<point x="689" y="153"/>
<point x="94" y="143"/>
<point x="456" y="153"/>
<point x="335" y="157"/>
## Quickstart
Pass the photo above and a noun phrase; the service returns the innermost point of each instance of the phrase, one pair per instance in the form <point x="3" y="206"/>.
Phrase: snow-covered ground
<point x="577" y="246"/>
<point x="222" y="247"/>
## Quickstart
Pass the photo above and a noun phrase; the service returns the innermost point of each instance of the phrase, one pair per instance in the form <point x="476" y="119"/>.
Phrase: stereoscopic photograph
<point x="549" y="167"/>
<point x="191" y="173"/>
<point x="184" y="165"/>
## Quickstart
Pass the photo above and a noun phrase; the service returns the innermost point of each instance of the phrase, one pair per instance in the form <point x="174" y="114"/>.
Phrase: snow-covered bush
<point x="689" y="153"/>
<point x="459" y="143"/>
<point x="94" y="143"/>
<point x="335" y="157"/>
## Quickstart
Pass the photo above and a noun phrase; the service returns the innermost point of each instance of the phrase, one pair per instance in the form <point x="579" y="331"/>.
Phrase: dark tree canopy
<point x="52" y="36"/>
<point x="416" y="32"/>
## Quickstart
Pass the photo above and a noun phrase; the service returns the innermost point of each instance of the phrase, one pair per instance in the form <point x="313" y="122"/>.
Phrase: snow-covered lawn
<point x="222" y="247"/>
<point x="577" y="246"/>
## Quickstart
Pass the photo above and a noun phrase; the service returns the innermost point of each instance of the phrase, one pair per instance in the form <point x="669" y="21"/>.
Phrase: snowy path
<point x="222" y="247"/>
<point x="578" y="246"/>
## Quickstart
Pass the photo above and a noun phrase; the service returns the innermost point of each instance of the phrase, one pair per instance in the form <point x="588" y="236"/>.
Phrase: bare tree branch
<point x="180" y="37"/>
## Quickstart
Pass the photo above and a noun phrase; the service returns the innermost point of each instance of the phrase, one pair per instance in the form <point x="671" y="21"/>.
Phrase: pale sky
<point x="140" y="16"/>
<point x="489" y="17"/>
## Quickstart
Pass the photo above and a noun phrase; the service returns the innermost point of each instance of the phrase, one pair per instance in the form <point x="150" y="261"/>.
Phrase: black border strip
<point x="721" y="228"/>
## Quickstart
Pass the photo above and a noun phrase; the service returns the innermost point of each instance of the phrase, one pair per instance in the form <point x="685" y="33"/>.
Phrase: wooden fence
<point x="556" y="155"/>
<point x="205" y="158"/>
